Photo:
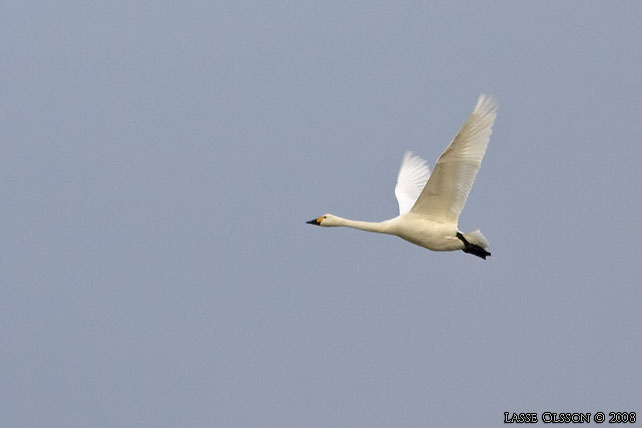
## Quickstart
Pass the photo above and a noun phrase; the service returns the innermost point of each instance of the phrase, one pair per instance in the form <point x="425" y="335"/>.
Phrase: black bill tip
<point x="314" y="221"/>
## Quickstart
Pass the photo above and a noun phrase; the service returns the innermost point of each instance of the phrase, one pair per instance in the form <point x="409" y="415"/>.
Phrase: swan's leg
<point x="473" y="249"/>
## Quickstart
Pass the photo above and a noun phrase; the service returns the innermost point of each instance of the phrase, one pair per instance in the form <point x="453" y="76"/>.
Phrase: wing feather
<point x="444" y="196"/>
<point x="412" y="178"/>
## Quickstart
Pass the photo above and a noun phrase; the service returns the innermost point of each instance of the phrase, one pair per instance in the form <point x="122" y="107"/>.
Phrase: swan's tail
<point x="474" y="243"/>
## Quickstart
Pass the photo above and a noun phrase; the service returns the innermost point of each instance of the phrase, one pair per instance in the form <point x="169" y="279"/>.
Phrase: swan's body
<point x="430" y="204"/>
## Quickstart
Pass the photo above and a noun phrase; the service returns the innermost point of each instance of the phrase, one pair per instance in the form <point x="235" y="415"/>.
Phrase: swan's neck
<point x="369" y="226"/>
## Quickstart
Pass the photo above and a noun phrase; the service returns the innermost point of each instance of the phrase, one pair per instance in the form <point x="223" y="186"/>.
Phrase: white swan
<point x="430" y="204"/>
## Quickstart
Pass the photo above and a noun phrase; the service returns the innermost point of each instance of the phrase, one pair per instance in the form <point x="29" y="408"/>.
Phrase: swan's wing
<point x="445" y="194"/>
<point x="412" y="178"/>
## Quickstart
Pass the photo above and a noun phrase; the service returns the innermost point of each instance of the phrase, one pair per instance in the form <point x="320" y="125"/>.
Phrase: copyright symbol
<point x="598" y="418"/>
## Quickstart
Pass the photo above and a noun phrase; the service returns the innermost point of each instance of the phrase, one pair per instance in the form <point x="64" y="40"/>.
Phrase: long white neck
<point x="369" y="226"/>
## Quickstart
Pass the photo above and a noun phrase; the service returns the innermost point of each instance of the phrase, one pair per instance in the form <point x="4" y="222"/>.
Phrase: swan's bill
<point x="316" y="221"/>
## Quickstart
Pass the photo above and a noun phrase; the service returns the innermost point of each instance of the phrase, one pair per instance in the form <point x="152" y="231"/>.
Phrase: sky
<point x="160" y="160"/>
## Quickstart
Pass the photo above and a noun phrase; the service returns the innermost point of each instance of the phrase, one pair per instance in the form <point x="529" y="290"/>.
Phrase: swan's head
<point x="327" y="220"/>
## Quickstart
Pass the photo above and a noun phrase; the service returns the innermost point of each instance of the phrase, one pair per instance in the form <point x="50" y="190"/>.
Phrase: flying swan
<point x="430" y="204"/>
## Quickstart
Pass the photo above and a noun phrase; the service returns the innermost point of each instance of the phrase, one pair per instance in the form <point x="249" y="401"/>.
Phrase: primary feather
<point x="412" y="178"/>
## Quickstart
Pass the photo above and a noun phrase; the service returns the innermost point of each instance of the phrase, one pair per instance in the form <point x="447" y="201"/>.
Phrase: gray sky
<point x="160" y="159"/>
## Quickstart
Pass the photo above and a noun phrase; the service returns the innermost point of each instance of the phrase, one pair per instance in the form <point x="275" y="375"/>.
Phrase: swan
<point x="430" y="204"/>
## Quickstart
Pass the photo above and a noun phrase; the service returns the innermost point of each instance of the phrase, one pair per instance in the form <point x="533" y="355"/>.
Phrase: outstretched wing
<point x="446" y="191"/>
<point x="412" y="178"/>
